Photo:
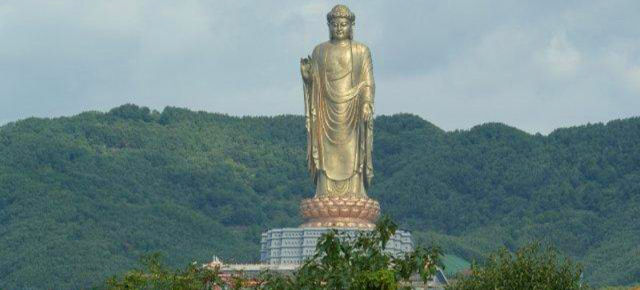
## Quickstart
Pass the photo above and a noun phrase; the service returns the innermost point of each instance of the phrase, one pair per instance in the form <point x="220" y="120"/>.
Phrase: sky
<point x="534" y="65"/>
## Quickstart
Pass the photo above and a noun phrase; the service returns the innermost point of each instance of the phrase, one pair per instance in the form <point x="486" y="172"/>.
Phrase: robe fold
<point x="340" y="140"/>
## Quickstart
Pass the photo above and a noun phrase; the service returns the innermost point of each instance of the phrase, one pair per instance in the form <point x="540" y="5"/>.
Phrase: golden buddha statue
<point x="339" y="93"/>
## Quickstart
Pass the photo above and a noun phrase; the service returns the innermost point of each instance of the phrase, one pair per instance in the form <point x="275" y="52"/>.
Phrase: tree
<point x="531" y="267"/>
<point x="340" y="262"/>
<point x="360" y="262"/>
<point x="157" y="275"/>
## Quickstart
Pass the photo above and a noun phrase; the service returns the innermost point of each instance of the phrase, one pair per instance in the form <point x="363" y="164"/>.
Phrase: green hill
<point x="82" y="197"/>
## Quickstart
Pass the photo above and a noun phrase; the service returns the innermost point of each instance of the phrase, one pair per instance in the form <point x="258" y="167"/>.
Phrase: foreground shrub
<point x="531" y="267"/>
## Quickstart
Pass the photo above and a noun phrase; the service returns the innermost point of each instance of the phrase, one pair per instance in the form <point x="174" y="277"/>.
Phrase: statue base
<point x="348" y="215"/>
<point x="340" y="212"/>
<point x="287" y="246"/>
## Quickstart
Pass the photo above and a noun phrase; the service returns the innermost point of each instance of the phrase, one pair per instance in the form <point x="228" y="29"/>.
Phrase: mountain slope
<point x="81" y="198"/>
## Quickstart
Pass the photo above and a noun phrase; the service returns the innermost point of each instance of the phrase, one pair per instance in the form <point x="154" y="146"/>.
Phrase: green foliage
<point x="156" y="275"/>
<point x="339" y="262"/>
<point x="82" y="197"/>
<point x="342" y="262"/>
<point x="531" y="267"/>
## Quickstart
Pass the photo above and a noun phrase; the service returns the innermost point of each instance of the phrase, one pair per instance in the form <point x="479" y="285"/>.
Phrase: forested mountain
<point x="82" y="197"/>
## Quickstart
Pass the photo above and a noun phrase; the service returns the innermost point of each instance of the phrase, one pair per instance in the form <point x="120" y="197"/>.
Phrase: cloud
<point x="536" y="65"/>
<point x="633" y="78"/>
<point x="561" y="57"/>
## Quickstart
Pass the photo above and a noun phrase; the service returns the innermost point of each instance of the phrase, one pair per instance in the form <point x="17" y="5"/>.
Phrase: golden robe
<point x="339" y="140"/>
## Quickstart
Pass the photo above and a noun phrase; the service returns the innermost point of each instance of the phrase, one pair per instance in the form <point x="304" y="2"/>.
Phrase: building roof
<point x="454" y="264"/>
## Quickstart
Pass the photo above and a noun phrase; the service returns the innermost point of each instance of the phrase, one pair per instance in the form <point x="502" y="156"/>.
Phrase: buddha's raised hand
<point x="305" y="68"/>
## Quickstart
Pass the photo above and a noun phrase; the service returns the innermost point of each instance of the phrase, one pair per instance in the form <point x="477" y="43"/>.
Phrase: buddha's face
<point x="340" y="28"/>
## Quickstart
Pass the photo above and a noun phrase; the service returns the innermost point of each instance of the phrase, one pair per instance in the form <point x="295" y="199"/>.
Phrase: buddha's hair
<point x="341" y="11"/>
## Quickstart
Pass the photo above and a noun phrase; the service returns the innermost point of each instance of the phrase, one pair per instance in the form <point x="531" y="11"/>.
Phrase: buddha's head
<point x="341" y="20"/>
